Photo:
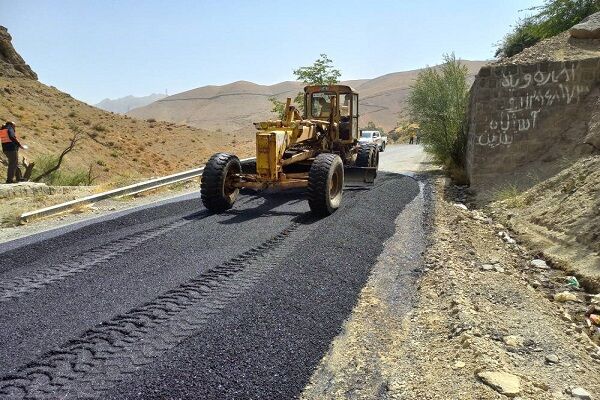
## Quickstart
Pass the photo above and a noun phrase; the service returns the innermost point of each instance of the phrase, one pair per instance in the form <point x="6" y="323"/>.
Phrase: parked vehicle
<point x="373" y="137"/>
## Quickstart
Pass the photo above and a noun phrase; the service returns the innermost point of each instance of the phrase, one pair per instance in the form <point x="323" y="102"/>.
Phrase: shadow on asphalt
<point x="268" y="208"/>
<point x="198" y="215"/>
<point x="274" y="203"/>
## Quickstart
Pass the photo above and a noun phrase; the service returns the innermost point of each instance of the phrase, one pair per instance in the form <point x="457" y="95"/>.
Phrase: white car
<point x="373" y="137"/>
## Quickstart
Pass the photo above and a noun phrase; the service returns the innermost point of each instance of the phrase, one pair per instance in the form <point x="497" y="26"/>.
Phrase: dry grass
<point x="509" y="194"/>
<point x="118" y="147"/>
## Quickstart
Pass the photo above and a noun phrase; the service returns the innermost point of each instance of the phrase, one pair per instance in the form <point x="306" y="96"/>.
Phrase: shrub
<point x="99" y="128"/>
<point x="552" y="18"/>
<point x="76" y="177"/>
<point x="437" y="102"/>
<point x="151" y="120"/>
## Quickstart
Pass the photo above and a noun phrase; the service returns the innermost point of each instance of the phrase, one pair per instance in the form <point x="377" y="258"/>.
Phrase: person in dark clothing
<point x="10" y="148"/>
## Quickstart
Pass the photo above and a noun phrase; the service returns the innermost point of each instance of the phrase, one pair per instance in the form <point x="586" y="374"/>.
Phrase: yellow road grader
<point x="316" y="151"/>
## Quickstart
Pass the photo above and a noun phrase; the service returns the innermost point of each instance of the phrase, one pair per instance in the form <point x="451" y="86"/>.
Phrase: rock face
<point x="525" y="118"/>
<point x="589" y="28"/>
<point x="503" y="382"/>
<point x="11" y="63"/>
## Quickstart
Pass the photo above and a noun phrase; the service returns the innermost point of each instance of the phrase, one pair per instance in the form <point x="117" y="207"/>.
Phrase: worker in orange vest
<point x="10" y="148"/>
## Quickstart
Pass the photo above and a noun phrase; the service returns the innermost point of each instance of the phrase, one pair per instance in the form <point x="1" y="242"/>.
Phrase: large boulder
<point x="11" y="63"/>
<point x="589" y="28"/>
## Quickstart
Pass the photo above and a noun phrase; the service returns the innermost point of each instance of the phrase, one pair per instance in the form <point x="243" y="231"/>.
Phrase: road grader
<point x="316" y="151"/>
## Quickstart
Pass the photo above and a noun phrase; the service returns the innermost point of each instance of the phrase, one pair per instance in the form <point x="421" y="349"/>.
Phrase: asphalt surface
<point x="174" y="302"/>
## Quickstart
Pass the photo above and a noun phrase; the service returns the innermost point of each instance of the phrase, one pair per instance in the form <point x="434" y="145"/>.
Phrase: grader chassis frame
<point x="315" y="151"/>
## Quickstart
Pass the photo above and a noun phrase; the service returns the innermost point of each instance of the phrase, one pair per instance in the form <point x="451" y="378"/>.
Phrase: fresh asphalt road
<point x="174" y="302"/>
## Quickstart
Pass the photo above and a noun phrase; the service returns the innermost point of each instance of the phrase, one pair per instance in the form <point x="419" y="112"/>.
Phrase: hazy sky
<point x="95" y="49"/>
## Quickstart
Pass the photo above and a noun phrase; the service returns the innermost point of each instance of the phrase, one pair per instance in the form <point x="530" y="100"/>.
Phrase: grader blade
<point x="359" y="176"/>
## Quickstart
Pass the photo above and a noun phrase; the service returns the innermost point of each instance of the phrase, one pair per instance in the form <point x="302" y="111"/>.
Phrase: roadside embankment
<point x="490" y="321"/>
<point x="560" y="217"/>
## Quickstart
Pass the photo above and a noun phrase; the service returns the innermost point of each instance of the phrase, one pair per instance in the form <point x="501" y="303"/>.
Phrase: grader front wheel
<point x="325" y="184"/>
<point x="216" y="188"/>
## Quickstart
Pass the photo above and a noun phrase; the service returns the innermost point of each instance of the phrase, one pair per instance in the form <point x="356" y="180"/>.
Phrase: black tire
<point x="249" y="167"/>
<point x="325" y="184"/>
<point x="365" y="155"/>
<point x="382" y="148"/>
<point x="368" y="156"/>
<point x="375" y="157"/>
<point x="216" y="195"/>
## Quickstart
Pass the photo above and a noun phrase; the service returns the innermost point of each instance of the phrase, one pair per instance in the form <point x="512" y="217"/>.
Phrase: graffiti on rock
<point x="529" y="95"/>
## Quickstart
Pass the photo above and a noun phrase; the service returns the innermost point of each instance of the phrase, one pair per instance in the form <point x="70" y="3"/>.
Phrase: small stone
<point x="460" y="205"/>
<point x="503" y="382"/>
<point x="487" y="267"/>
<point x="459" y="364"/>
<point x="513" y="340"/>
<point x="537" y="263"/>
<point x="499" y="269"/>
<point x="581" y="393"/>
<point x="565" y="296"/>
<point x="552" y="359"/>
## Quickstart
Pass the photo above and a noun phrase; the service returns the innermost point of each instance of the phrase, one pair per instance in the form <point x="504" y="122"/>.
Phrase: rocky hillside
<point x="561" y="217"/>
<point x="117" y="148"/>
<point x="11" y="63"/>
<point x="534" y="146"/>
<point x="236" y="105"/>
<point x="128" y="103"/>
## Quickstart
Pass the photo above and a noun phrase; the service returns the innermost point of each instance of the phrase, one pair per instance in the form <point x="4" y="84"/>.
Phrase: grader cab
<point x="316" y="151"/>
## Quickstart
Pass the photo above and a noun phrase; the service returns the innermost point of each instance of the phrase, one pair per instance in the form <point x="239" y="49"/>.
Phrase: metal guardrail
<point x="119" y="192"/>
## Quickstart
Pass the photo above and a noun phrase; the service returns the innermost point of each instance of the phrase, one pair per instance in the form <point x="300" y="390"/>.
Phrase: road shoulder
<point x="485" y="324"/>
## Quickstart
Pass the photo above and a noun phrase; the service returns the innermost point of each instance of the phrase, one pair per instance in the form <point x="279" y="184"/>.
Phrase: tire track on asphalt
<point x="14" y="288"/>
<point x="111" y="351"/>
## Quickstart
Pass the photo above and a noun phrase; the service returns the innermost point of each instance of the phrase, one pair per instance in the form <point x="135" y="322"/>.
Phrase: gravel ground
<point x="486" y="324"/>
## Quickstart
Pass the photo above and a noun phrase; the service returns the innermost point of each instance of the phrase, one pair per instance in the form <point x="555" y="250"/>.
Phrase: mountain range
<point x="125" y="104"/>
<point x="235" y="106"/>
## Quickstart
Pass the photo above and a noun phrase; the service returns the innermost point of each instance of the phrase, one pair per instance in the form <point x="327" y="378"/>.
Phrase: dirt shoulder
<point x="560" y="217"/>
<point x="485" y="324"/>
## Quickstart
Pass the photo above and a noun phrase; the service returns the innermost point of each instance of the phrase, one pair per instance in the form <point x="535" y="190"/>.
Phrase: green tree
<point x="437" y="102"/>
<point x="549" y="19"/>
<point x="278" y="107"/>
<point x="321" y="72"/>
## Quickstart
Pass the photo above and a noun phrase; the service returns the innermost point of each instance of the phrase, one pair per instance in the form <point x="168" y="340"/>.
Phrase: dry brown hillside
<point x="235" y="106"/>
<point x="118" y="147"/>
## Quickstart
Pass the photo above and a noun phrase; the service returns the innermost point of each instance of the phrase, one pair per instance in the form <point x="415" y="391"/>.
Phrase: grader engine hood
<point x="270" y="147"/>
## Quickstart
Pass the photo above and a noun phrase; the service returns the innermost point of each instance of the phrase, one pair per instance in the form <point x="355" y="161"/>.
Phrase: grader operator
<point x="317" y="151"/>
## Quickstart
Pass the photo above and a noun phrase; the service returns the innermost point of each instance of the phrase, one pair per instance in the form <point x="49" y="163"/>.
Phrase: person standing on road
<point x="10" y="148"/>
<point x="412" y="139"/>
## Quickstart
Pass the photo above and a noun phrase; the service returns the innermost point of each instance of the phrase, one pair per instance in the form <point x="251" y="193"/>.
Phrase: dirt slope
<point x="119" y="148"/>
<point x="561" y="217"/>
<point x="236" y="105"/>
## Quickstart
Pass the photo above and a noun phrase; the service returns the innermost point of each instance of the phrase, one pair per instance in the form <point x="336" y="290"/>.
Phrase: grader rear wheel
<point x="325" y="184"/>
<point x="216" y="187"/>
<point x="368" y="156"/>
